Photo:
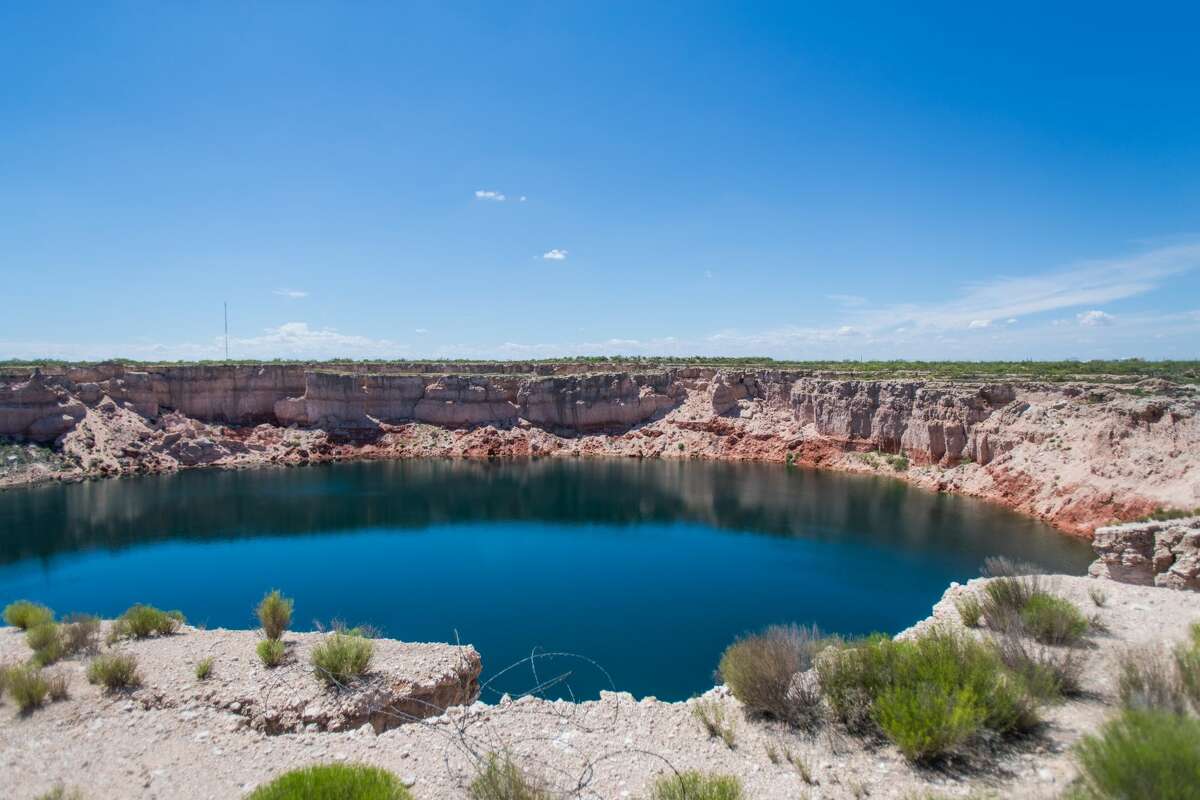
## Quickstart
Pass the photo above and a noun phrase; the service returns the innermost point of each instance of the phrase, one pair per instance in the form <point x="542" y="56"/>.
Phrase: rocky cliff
<point x="1079" y="455"/>
<point x="1165" y="553"/>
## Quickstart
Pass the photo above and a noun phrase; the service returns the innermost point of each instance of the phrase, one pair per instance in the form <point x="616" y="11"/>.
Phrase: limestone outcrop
<point x="1150" y="553"/>
<point x="36" y="410"/>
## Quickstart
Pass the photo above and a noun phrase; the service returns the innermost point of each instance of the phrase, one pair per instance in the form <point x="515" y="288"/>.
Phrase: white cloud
<point x="291" y="294"/>
<point x="708" y="273"/>
<point x="523" y="198"/>
<point x="421" y="330"/>
<point x="555" y="255"/>
<point x="1094" y="318"/>
<point x="980" y="323"/>
<point x="1010" y="321"/>
<point x="485" y="194"/>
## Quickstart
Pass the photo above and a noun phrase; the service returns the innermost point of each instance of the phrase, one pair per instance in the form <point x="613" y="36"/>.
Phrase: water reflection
<point x="42" y="522"/>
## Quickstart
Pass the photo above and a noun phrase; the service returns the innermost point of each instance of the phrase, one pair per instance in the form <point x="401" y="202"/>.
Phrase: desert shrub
<point x="928" y="694"/>
<point x="1005" y="597"/>
<point x="760" y="671"/>
<point x="24" y="615"/>
<point x="501" y="778"/>
<point x="969" y="610"/>
<point x="341" y="657"/>
<point x="28" y="687"/>
<point x="1142" y="753"/>
<point x="1147" y="680"/>
<point x="80" y="633"/>
<point x="852" y="674"/>
<point x="274" y="614"/>
<point x="57" y="686"/>
<point x="60" y="792"/>
<point x="693" y="785"/>
<point x="928" y="719"/>
<point x="711" y="716"/>
<point x="141" y="621"/>
<point x="1053" y="620"/>
<point x="204" y="668"/>
<point x="333" y="782"/>
<point x="1049" y="674"/>
<point x="45" y="640"/>
<point x="114" y="671"/>
<point x="1098" y="595"/>
<point x="271" y="652"/>
<point x="1187" y="666"/>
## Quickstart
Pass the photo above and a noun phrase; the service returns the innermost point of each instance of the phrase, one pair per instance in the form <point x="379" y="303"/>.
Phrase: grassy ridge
<point x="1124" y="370"/>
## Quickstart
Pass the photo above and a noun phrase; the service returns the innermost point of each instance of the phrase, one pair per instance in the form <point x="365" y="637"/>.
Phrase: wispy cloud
<point x="1094" y="318"/>
<point x="291" y="294"/>
<point x="486" y="194"/>
<point x="555" y="255"/>
<point x="421" y="331"/>
<point x="847" y="300"/>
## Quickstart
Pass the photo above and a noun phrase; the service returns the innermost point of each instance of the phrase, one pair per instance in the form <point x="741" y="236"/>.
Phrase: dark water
<point x="650" y="568"/>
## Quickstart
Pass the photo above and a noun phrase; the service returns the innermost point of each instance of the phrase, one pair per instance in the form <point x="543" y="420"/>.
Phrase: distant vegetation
<point x="1125" y="370"/>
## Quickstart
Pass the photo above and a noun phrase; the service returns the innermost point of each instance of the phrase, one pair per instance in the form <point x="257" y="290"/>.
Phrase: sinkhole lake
<point x="648" y="568"/>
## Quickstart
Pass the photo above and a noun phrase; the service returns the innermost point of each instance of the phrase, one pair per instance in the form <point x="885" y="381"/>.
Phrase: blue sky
<point x="529" y="180"/>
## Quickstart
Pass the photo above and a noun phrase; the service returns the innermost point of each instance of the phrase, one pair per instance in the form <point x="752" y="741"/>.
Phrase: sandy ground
<point x="177" y="738"/>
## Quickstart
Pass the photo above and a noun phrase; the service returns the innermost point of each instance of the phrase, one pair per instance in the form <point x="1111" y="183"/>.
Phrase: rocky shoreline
<point x="1079" y="456"/>
<point x="177" y="736"/>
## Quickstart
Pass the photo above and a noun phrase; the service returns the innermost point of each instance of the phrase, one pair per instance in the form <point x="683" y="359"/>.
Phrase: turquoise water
<point x="647" y="568"/>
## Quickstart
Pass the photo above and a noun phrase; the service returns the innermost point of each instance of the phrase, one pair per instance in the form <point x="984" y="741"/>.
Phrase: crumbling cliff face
<point x="1077" y="455"/>
<point x="1150" y="553"/>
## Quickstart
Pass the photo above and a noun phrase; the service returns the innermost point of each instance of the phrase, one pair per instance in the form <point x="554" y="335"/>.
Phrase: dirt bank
<point x="1076" y="455"/>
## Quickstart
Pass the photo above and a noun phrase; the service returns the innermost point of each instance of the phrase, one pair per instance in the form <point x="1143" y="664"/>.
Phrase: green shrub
<point x="1053" y="620"/>
<point x="925" y="720"/>
<point x="80" y="634"/>
<point x="274" y="614"/>
<point x="693" y="785"/>
<point x="204" y="668"/>
<point x="46" y="641"/>
<point x="341" y="658"/>
<point x="27" y="686"/>
<point x="853" y="674"/>
<point x="970" y="611"/>
<point x="500" y="778"/>
<point x="114" y="671"/>
<point x="1142" y="753"/>
<point x="1187" y="666"/>
<point x="333" y="782"/>
<point x="1005" y="597"/>
<point x="760" y="671"/>
<point x="928" y="694"/>
<point x="141" y="621"/>
<point x="24" y="614"/>
<point x="271" y="652"/>
<point x="711" y="716"/>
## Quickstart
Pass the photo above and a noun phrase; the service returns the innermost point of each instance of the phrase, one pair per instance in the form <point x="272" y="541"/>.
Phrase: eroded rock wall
<point x="1078" y="455"/>
<point x="1150" y="553"/>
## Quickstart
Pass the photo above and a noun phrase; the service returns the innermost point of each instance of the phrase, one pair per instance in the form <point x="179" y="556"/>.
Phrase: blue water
<point x="647" y="568"/>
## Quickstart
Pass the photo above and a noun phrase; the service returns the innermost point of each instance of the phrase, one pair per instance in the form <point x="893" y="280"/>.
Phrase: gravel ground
<point x="188" y="745"/>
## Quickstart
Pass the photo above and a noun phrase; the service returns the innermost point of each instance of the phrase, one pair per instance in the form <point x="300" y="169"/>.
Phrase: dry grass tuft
<point x="710" y="713"/>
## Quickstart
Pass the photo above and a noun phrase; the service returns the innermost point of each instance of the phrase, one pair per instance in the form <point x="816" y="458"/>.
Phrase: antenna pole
<point x="226" y="304"/>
